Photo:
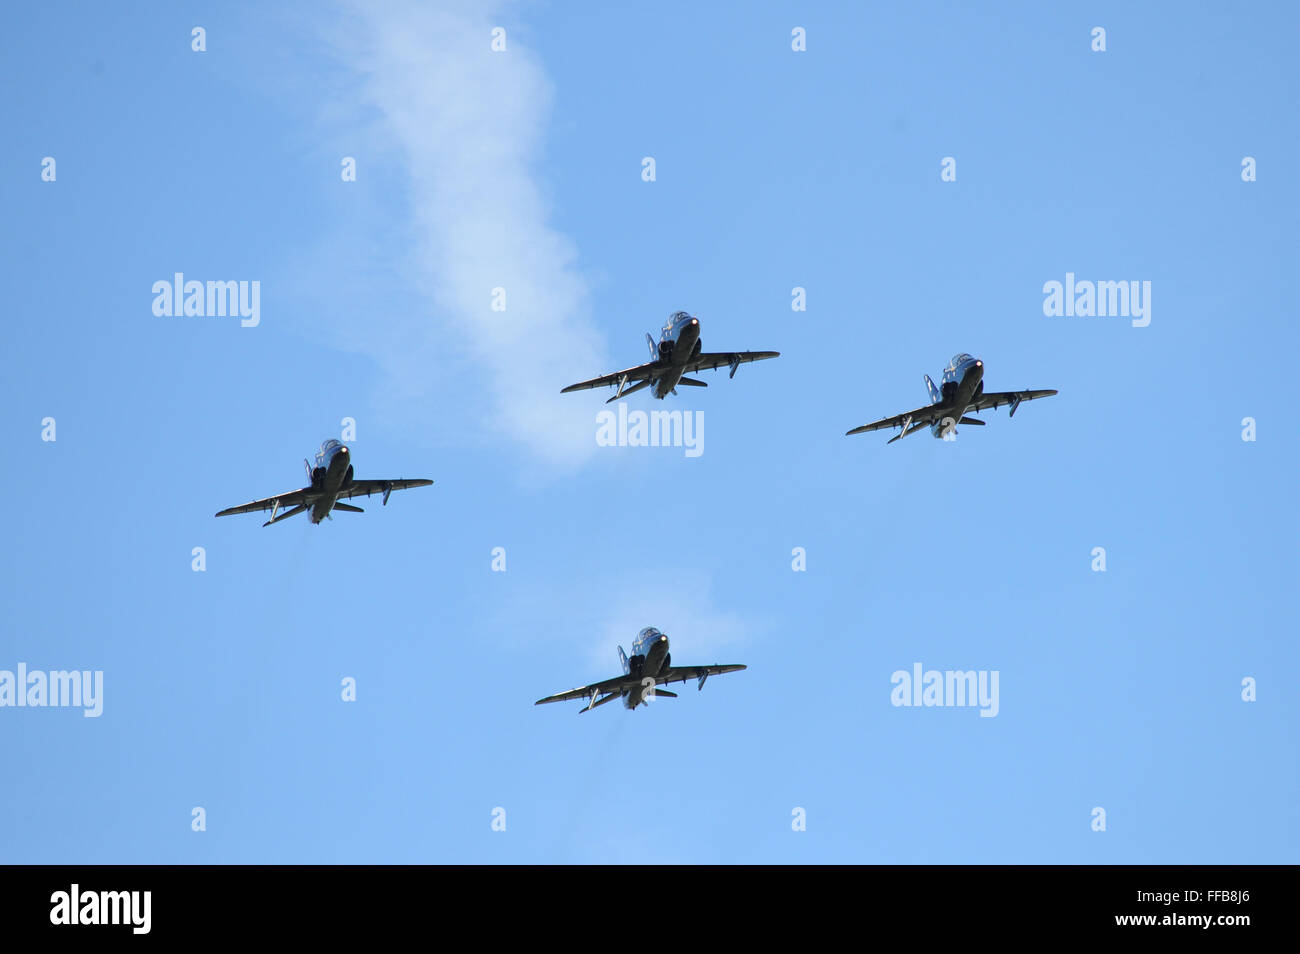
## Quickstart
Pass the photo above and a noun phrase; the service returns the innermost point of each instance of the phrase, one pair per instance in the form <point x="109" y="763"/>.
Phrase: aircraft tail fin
<point x="654" y="352"/>
<point x="622" y="657"/>
<point x="935" y="393"/>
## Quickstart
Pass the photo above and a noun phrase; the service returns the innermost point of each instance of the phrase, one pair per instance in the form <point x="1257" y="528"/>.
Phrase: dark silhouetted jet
<point x="331" y="482"/>
<point x="650" y="666"/>
<point x="962" y="392"/>
<point x="678" y="353"/>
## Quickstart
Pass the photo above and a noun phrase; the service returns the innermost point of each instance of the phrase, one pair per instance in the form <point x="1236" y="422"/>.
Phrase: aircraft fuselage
<point x="649" y="659"/>
<point x="963" y="382"/>
<point x="679" y="343"/>
<point x="332" y="473"/>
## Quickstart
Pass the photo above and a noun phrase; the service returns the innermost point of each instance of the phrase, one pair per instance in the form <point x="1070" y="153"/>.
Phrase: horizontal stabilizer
<point x="911" y="430"/>
<point x="972" y="420"/>
<point x="348" y="507"/>
<point x="632" y="390"/>
<point x="665" y="692"/>
<point x="286" y="515"/>
<point x="692" y="383"/>
<point x="608" y="698"/>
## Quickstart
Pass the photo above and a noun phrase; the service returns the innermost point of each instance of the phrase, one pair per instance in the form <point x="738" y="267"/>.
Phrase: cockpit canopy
<point x="645" y="639"/>
<point x="674" y="319"/>
<point x="958" y="360"/>
<point x="326" y="451"/>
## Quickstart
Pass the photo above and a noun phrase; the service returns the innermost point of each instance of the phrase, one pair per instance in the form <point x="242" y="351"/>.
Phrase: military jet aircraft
<point x="331" y="482"/>
<point x="678" y="353"/>
<point x="649" y="666"/>
<point x="962" y="391"/>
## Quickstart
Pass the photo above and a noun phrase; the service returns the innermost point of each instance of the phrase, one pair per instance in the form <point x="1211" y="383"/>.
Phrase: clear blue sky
<point x="774" y="169"/>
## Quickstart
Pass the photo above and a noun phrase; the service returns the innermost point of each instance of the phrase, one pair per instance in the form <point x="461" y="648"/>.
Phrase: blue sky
<point x="774" y="169"/>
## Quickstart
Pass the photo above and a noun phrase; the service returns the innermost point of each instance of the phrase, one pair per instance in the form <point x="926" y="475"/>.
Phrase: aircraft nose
<point x="344" y="450"/>
<point x="695" y="322"/>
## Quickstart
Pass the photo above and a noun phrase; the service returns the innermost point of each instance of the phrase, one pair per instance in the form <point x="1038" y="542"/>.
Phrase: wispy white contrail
<point x="468" y="124"/>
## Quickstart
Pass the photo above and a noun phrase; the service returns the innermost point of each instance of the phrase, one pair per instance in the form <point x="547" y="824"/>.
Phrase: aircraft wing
<point x="293" y="498"/>
<point x="995" y="399"/>
<point x="712" y="360"/>
<point x="920" y="417"/>
<point x="364" y="488"/>
<point x="617" y="684"/>
<point x="641" y="372"/>
<point x="682" y="673"/>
